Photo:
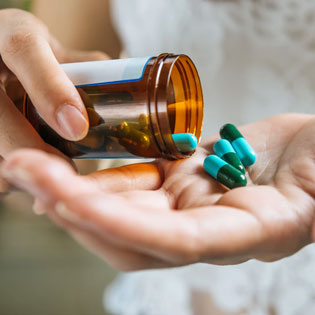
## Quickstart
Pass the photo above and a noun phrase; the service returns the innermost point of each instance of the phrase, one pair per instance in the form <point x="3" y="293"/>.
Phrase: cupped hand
<point x="166" y="214"/>
<point x="29" y="61"/>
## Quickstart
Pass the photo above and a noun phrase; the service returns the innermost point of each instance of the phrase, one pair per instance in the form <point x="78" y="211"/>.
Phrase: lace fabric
<point x="285" y="287"/>
<point x="256" y="58"/>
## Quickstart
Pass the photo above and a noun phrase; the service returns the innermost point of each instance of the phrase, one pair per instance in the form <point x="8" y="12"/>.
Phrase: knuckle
<point x="22" y="31"/>
<point x="20" y="41"/>
<point x="11" y="13"/>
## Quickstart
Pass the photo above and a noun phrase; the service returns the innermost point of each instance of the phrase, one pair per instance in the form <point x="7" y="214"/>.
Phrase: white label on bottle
<point x="106" y="71"/>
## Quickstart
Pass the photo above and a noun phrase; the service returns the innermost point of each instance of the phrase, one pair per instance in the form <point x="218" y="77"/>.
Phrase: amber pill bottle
<point x="134" y="106"/>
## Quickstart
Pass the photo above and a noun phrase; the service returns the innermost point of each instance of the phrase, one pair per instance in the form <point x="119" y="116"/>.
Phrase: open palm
<point x="166" y="213"/>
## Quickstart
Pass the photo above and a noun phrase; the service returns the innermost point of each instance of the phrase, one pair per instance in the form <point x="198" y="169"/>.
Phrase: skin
<point x="171" y="213"/>
<point x="24" y="42"/>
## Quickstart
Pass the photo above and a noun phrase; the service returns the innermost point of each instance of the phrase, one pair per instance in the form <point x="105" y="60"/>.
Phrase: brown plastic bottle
<point x="134" y="107"/>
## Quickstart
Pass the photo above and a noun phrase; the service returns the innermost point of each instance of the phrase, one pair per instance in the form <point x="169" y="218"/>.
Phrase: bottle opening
<point x="183" y="101"/>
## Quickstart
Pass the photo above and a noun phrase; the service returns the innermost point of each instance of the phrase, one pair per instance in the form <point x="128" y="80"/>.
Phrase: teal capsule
<point x="225" y="173"/>
<point x="185" y="142"/>
<point x="225" y="151"/>
<point x="244" y="151"/>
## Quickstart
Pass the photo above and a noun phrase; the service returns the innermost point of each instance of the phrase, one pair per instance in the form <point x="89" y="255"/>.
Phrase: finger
<point x="43" y="175"/>
<point x="50" y="172"/>
<point x="141" y="176"/>
<point x="120" y="258"/>
<point x="55" y="178"/>
<point x="15" y="130"/>
<point x="26" y="52"/>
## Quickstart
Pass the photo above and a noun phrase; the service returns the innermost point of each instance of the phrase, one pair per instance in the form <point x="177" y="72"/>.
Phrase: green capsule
<point x="225" y="173"/>
<point x="244" y="151"/>
<point x="230" y="132"/>
<point x="224" y="150"/>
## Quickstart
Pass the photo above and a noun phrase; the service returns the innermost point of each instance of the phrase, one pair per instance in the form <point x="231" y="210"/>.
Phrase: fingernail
<point x="38" y="210"/>
<point x="24" y="180"/>
<point x="72" y="122"/>
<point x="66" y="214"/>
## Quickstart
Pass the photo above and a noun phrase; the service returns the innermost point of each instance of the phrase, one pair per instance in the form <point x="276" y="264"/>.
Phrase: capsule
<point x="144" y="122"/>
<point x="244" y="151"/>
<point x="225" y="151"/>
<point x="133" y="135"/>
<point x="185" y="142"/>
<point x="225" y="173"/>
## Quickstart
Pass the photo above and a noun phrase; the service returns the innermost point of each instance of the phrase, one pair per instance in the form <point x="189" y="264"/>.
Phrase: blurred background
<point x="42" y="270"/>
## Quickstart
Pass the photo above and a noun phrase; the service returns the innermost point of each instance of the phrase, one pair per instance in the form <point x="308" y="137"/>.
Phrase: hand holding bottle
<point x="29" y="61"/>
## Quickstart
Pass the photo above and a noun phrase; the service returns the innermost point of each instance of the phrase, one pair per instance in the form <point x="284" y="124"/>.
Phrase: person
<point x="127" y="215"/>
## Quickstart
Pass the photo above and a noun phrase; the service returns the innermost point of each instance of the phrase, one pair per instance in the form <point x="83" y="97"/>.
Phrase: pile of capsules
<point x="232" y="155"/>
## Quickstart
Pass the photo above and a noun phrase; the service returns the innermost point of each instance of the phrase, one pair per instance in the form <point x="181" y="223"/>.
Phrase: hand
<point x="29" y="61"/>
<point x="166" y="213"/>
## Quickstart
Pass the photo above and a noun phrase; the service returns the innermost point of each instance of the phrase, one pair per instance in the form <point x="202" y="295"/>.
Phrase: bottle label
<point x="106" y="71"/>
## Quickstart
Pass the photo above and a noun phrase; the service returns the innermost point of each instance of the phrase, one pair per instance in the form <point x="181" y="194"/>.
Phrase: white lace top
<point x="256" y="58"/>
